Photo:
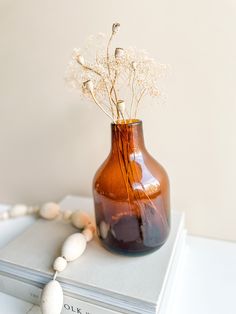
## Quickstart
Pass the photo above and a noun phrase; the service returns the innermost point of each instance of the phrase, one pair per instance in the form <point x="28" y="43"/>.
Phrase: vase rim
<point x="127" y="122"/>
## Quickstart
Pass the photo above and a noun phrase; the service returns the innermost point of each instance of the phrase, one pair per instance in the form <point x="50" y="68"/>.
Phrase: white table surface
<point x="206" y="283"/>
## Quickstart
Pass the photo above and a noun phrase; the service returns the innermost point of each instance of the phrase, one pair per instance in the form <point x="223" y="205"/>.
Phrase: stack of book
<point x="98" y="282"/>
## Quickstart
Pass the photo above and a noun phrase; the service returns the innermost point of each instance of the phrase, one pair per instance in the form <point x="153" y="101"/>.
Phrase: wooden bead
<point x="80" y="219"/>
<point x="88" y="234"/>
<point x="49" y="211"/>
<point x="59" y="264"/>
<point x="73" y="247"/>
<point x="18" y="210"/>
<point x="91" y="227"/>
<point x="52" y="298"/>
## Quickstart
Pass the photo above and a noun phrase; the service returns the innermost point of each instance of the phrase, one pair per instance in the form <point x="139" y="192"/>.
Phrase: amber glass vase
<point x="131" y="195"/>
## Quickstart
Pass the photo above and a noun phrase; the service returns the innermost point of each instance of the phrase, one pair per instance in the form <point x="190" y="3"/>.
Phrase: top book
<point x="119" y="283"/>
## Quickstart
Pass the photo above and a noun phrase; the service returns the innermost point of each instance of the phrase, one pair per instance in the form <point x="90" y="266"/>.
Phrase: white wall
<point x="51" y="143"/>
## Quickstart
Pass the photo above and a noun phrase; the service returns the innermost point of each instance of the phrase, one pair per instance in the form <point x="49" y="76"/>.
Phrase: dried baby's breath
<point x="103" y="76"/>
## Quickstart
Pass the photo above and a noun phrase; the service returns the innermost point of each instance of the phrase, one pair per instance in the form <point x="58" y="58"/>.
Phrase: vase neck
<point x="127" y="136"/>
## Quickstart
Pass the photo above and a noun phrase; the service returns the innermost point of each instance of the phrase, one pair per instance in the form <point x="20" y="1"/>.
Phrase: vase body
<point x="131" y="195"/>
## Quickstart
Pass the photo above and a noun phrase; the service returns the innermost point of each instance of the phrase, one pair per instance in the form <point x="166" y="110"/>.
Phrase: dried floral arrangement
<point x="130" y="188"/>
<point x="102" y="75"/>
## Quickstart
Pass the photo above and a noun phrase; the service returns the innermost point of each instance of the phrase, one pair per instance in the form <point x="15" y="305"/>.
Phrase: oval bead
<point x="49" y="211"/>
<point x="18" y="210"/>
<point x="80" y="219"/>
<point x="73" y="247"/>
<point x="59" y="264"/>
<point x="52" y="298"/>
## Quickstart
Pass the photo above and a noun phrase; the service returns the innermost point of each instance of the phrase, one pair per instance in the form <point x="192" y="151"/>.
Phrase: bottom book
<point x="100" y="282"/>
<point x="31" y="293"/>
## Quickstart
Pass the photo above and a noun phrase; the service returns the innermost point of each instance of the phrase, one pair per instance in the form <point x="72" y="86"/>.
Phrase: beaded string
<point x="72" y="248"/>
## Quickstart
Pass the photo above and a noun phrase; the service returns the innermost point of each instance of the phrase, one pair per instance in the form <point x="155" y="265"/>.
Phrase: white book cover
<point x="98" y="278"/>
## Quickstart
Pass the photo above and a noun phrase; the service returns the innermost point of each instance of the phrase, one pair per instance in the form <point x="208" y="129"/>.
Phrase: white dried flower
<point x="115" y="28"/>
<point x="119" y="53"/>
<point x="104" y="77"/>
<point x="88" y="85"/>
<point x="76" y="55"/>
<point x="80" y="60"/>
<point x="134" y="65"/>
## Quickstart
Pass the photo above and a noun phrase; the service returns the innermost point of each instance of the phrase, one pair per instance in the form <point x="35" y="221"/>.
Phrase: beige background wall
<point x="51" y="143"/>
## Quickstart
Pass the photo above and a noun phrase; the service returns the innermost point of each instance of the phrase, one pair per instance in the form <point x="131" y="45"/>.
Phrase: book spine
<point x="167" y="302"/>
<point x="31" y="294"/>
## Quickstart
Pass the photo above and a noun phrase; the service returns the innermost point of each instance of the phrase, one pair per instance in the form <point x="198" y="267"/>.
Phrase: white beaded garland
<point x="80" y="219"/>
<point x="18" y="210"/>
<point x="59" y="264"/>
<point x="52" y="298"/>
<point x="73" y="247"/>
<point x="49" y="211"/>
